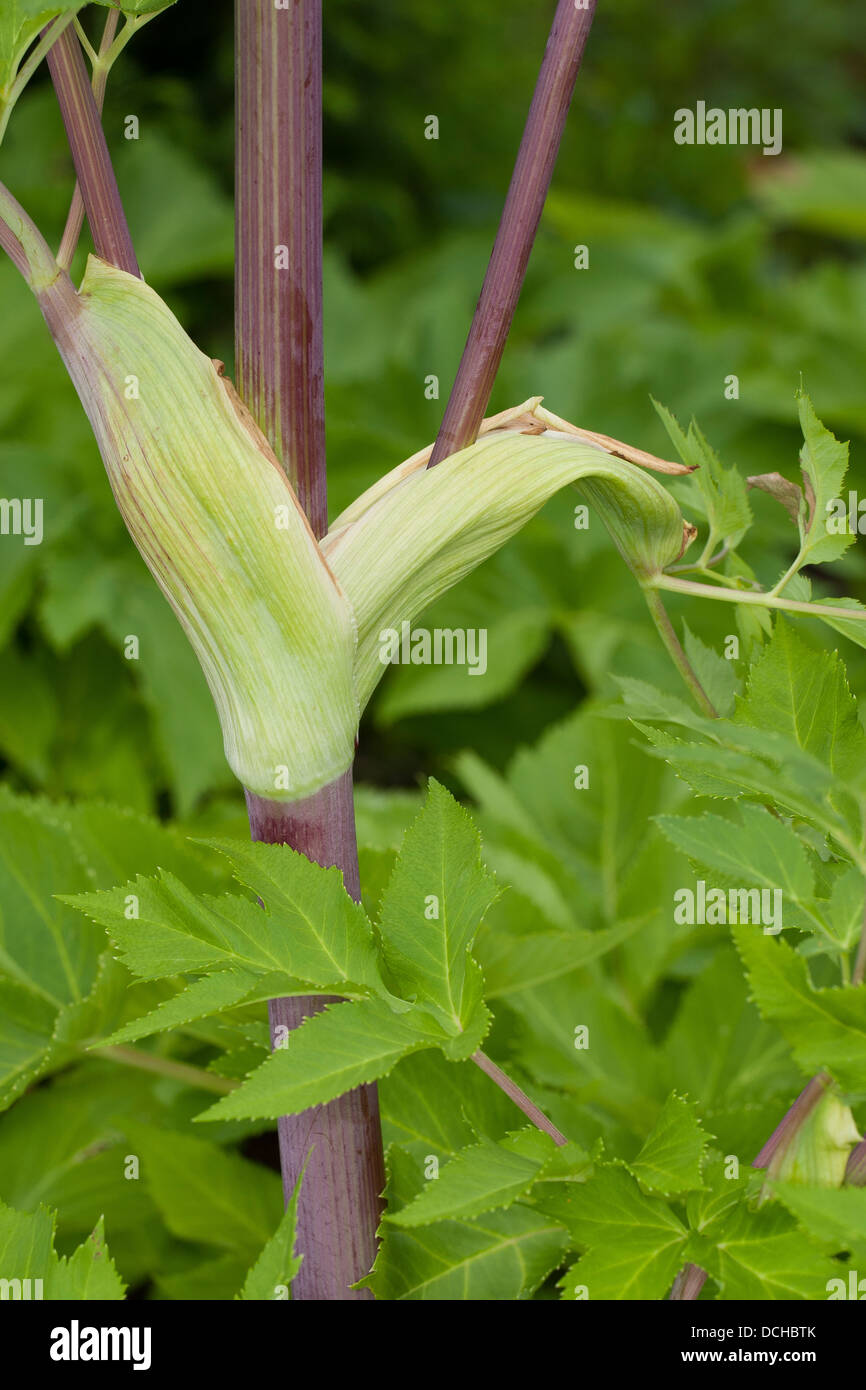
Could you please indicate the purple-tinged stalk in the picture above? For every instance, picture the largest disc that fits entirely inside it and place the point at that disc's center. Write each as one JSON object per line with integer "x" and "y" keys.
{"x": 855, "y": 1171}
{"x": 521, "y": 215}
{"x": 278, "y": 211}
{"x": 340, "y": 1199}
{"x": 75, "y": 218}
{"x": 520, "y": 1098}
{"x": 90, "y": 156}
{"x": 280, "y": 375}
{"x": 791, "y": 1122}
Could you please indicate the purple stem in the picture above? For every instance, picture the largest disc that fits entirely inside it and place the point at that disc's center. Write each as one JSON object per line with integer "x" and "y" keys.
{"x": 278, "y": 204}
{"x": 855, "y": 1171}
{"x": 75, "y": 216}
{"x": 688, "y": 1284}
{"x": 339, "y": 1206}
{"x": 520, "y": 1098}
{"x": 90, "y": 155}
{"x": 517, "y": 229}
{"x": 280, "y": 375}
{"x": 791, "y": 1122}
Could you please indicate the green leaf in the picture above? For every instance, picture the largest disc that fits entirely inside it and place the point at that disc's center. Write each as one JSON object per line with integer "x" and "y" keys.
{"x": 203, "y": 998}
{"x": 501, "y": 1256}
{"x": 307, "y": 928}
{"x": 487, "y": 1176}
{"x": 722, "y": 491}
{"x": 760, "y": 852}
{"x": 670, "y": 1161}
{"x": 758, "y": 1255}
{"x": 431, "y": 1106}
{"x": 27, "y": 1252}
{"x": 208, "y": 1194}
{"x": 432, "y": 908}
{"x": 823, "y": 1027}
{"x": 21, "y": 22}
{"x": 824, "y": 462}
{"x": 835, "y": 1217}
{"x": 719, "y": 1049}
{"x": 634, "y": 1243}
{"x": 716, "y": 674}
{"x": 278, "y": 1264}
{"x": 804, "y": 695}
{"x": 343, "y": 1046}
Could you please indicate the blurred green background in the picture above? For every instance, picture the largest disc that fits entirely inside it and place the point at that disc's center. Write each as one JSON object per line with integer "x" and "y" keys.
{"x": 703, "y": 262}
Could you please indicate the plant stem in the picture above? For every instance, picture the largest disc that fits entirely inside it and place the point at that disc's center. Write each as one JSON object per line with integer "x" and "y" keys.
{"x": 340, "y": 1205}
{"x": 278, "y": 211}
{"x": 280, "y": 372}
{"x": 101, "y": 69}
{"x": 678, "y": 657}
{"x": 791, "y": 1121}
{"x": 859, "y": 972}
{"x": 517, "y": 229}
{"x": 24, "y": 244}
{"x": 688, "y": 1283}
{"x": 761, "y": 600}
{"x": 166, "y": 1066}
{"x": 520, "y": 1098}
{"x": 90, "y": 155}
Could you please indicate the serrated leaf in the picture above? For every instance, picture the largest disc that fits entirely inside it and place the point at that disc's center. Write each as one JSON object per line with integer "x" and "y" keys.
{"x": 431, "y": 1106}
{"x": 27, "y": 1252}
{"x": 634, "y": 1242}
{"x": 824, "y": 462}
{"x": 432, "y": 908}
{"x": 278, "y": 1264}
{"x": 203, "y": 998}
{"x": 722, "y": 491}
{"x": 823, "y": 1027}
{"x": 343, "y": 1046}
{"x": 758, "y": 852}
{"x": 804, "y": 695}
{"x": 761, "y": 1254}
{"x": 497, "y": 1257}
{"x": 719, "y": 1049}
{"x": 487, "y": 1176}
{"x": 307, "y": 928}
{"x": 670, "y": 1160}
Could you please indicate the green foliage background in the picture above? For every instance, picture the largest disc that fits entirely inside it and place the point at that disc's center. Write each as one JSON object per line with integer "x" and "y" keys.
{"x": 703, "y": 262}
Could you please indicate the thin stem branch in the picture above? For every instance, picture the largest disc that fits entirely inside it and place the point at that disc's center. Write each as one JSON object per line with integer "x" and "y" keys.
{"x": 859, "y": 972}
{"x": 517, "y": 230}
{"x": 101, "y": 69}
{"x": 520, "y": 1098}
{"x": 760, "y": 600}
{"x": 24, "y": 244}
{"x": 278, "y": 212}
{"x": 666, "y": 631}
{"x": 90, "y": 155}
{"x": 166, "y": 1066}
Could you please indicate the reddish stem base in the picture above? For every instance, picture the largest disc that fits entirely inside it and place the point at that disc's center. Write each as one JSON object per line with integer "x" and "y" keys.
{"x": 340, "y": 1201}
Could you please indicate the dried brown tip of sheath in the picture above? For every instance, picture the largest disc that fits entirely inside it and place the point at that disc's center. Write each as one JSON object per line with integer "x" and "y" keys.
{"x": 632, "y": 455}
